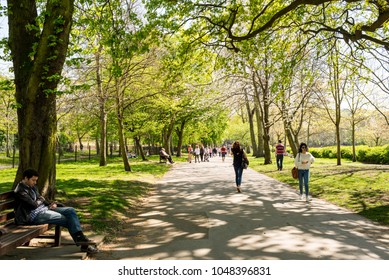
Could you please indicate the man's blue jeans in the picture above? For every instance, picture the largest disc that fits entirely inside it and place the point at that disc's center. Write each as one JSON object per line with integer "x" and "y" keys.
{"x": 238, "y": 175}
{"x": 304, "y": 179}
{"x": 63, "y": 216}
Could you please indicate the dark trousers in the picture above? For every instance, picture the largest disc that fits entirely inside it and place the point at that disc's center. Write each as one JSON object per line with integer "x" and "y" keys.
{"x": 280, "y": 159}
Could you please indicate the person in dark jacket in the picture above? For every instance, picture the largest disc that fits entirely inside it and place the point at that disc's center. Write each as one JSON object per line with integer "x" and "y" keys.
{"x": 33, "y": 209}
{"x": 239, "y": 157}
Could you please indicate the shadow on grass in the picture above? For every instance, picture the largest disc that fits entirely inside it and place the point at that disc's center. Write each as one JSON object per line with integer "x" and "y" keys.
{"x": 102, "y": 204}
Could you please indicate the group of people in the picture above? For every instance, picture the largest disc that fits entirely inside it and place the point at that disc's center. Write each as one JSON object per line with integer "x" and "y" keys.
{"x": 202, "y": 154}
{"x": 302, "y": 161}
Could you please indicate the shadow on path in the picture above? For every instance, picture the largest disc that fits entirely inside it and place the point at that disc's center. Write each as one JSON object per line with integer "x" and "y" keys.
{"x": 196, "y": 213}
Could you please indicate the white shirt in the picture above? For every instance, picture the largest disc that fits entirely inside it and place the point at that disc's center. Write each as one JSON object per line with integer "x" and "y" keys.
{"x": 304, "y": 161}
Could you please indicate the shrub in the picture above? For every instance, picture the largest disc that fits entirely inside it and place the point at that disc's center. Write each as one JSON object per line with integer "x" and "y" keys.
{"x": 375, "y": 155}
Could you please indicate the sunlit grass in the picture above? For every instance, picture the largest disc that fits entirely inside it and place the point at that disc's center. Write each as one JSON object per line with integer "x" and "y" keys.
{"x": 362, "y": 188}
{"x": 103, "y": 196}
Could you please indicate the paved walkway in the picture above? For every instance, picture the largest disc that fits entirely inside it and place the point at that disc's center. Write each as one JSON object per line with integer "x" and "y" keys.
{"x": 195, "y": 213}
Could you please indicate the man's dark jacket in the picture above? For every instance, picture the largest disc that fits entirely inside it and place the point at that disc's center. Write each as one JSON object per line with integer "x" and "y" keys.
{"x": 25, "y": 203}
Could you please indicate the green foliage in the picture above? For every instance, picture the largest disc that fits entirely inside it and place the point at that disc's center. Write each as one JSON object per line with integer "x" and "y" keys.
{"x": 365, "y": 154}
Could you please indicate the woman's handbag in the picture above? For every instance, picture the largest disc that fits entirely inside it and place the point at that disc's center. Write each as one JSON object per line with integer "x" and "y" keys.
{"x": 295, "y": 173}
{"x": 245, "y": 163}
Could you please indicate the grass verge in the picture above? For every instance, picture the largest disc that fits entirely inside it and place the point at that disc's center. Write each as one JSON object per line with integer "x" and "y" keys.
{"x": 103, "y": 197}
{"x": 362, "y": 188}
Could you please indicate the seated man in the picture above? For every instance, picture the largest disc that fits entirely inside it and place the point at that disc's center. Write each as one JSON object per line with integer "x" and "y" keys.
{"x": 165, "y": 155}
{"x": 32, "y": 209}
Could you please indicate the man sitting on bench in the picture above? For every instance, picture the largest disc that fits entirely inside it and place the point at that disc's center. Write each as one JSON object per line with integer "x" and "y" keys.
{"x": 32, "y": 209}
{"x": 164, "y": 155}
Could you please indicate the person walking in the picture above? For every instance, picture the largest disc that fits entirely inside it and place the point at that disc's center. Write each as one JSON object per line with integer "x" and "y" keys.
{"x": 190, "y": 152}
{"x": 239, "y": 157}
{"x": 223, "y": 151}
{"x": 197, "y": 154}
{"x": 280, "y": 151}
{"x": 303, "y": 162}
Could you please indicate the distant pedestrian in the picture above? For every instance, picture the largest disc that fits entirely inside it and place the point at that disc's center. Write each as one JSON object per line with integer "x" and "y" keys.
{"x": 280, "y": 151}
{"x": 303, "y": 163}
{"x": 197, "y": 153}
{"x": 190, "y": 152}
{"x": 202, "y": 152}
{"x": 223, "y": 151}
{"x": 239, "y": 157}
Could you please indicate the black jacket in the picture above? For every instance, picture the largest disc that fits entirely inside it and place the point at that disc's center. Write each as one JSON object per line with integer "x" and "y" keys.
{"x": 26, "y": 199}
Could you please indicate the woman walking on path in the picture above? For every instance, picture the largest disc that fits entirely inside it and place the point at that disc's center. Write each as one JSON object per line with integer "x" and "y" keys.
{"x": 303, "y": 162}
{"x": 239, "y": 157}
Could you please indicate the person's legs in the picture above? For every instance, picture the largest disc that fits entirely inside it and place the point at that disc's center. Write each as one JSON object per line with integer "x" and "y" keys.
{"x": 74, "y": 225}
{"x": 278, "y": 161}
{"x": 301, "y": 176}
{"x": 306, "y": 182}
{"x": 281, "y": 161}
{"x": 238, "y": 176}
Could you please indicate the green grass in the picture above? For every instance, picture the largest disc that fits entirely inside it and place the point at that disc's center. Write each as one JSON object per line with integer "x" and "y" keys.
{"x": 103, "y": 196}
{"x": 362, "y": 188}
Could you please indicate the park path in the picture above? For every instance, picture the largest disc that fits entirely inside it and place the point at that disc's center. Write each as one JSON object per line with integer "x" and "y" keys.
{"x": 195, "y": 213}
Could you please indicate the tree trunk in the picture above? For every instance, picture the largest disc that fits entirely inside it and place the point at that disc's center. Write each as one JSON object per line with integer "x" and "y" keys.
{"x": 180, "y": 135}
{"x": 38, "y": 60}
{"x": 250, "y": 114}
{"x": 353, "y": 140}
{"x": 103, "y": 113}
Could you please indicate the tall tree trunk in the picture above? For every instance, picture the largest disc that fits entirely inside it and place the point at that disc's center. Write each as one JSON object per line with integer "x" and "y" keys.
{"x": 180, "y": 135}
{"x": 353, "y": 139}
{"x": 258, "y": 116}
{"x": 139, "y": 147}
{"x": 120, "y": 118}
{"x": 36, "y": 80}
{"x": 103, "y": 112}
{"x": 250, "y": 113}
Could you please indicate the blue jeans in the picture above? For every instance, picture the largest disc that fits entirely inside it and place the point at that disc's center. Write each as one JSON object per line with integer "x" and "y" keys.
{"x": 304, "y": 178}
{"x": 238, "y": 174}
{"x": 63, "y": 216}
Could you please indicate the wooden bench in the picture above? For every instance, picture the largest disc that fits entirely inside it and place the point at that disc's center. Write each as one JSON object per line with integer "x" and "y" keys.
{"x": 12, "y": 235}
{"x": 162, "y": 159}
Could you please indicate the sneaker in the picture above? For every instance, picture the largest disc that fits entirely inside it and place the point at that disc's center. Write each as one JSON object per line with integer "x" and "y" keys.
{"x": 89, "y": 249}
{"x": 81, "y": 239}
{"x": 302, "y": 197}
{"x": 308, "y": 198}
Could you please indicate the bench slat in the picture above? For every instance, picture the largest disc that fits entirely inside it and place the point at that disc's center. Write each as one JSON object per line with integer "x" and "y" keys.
{"x": 17, "y": 235}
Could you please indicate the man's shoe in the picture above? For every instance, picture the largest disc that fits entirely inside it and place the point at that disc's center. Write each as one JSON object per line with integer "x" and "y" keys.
{"x": 83, "y": 240}
{"x": 89, "y": 249}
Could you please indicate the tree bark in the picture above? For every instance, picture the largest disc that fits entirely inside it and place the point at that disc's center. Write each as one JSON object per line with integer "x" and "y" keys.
{"x": 38, "y": 58}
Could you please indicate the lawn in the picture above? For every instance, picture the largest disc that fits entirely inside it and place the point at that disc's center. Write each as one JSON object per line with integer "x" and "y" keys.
{"x": 103, "y": 196}
{"x": 362, "y": 188}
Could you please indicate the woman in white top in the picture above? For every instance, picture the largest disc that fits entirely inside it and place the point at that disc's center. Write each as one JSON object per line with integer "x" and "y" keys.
{"x": 303, "y": 162}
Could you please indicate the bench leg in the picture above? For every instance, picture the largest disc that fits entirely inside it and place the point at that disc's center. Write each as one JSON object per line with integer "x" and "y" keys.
{"x": 57, "y": 237}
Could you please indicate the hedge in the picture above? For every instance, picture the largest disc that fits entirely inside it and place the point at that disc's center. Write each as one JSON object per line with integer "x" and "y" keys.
{"x": 365, "y": 154}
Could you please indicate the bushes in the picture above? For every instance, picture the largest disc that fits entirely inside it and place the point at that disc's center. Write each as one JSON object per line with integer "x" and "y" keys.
{"x": 365, "y": 154}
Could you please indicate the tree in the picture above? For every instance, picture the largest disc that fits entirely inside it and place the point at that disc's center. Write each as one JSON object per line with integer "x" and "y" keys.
{"x": 228, "y": 23}
{"x": 38, "y": 44}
